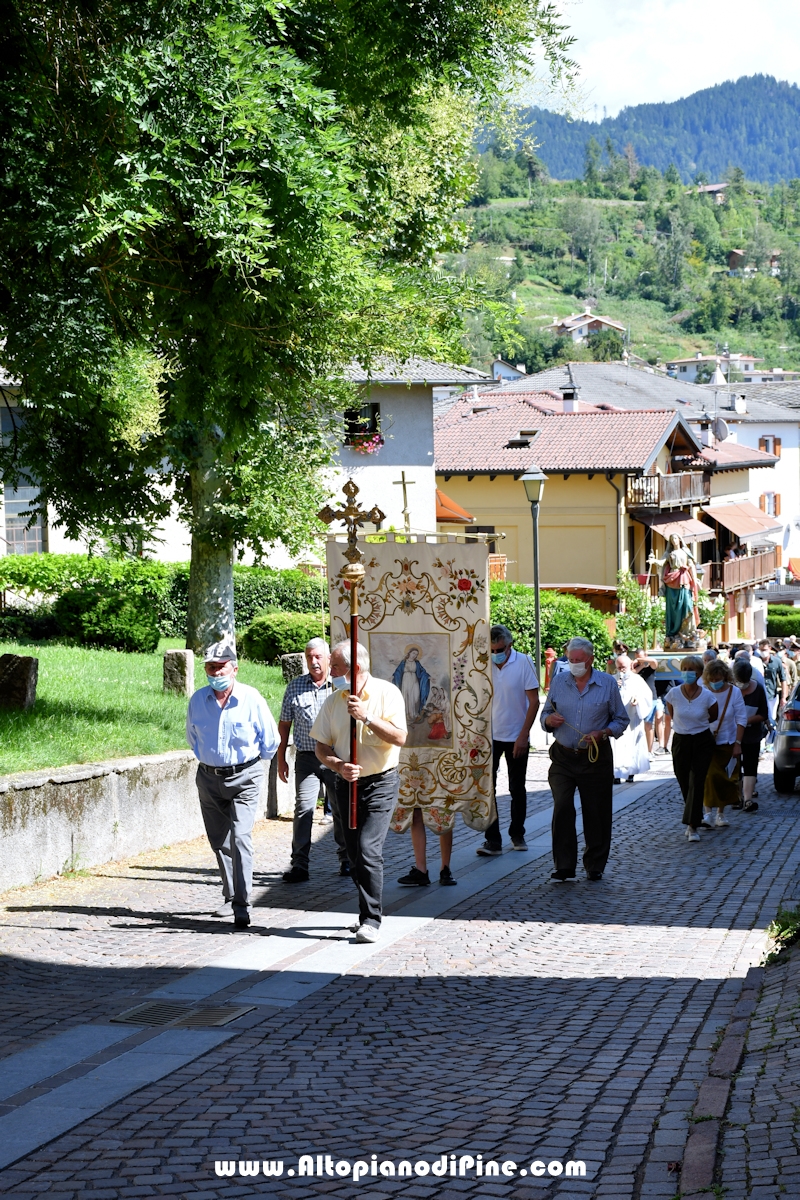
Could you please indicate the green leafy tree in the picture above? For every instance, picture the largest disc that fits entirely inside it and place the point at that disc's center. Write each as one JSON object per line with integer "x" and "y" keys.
{"x": 641, "y": 624}
{"x": 606, "y": 345}
{"x": 209, "y": 209}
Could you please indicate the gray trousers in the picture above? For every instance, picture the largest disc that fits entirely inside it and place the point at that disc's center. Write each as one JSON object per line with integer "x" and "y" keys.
{"x": 377, "y": 797}
{"x": 308, "y": 774}
{"x": 228, "y": 804}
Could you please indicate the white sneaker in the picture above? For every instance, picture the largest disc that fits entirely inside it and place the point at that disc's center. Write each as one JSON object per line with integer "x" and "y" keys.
{"x": 721, "y": 822}
{"x": 708, "y": 820}
{"x": 367, "y": 933}
{"x": 692, "y": 835}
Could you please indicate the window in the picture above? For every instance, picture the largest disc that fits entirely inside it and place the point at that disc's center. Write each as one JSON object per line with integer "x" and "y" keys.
{"x": 683, "y": 370}
{"x": 19, "y": 539}
{"x": 770, "y": 503}
{"x": 486, "y": 529}
{"x": 770, "y": 445}
{"x": 16, "y": 501}
{"x": 360, "y": 421}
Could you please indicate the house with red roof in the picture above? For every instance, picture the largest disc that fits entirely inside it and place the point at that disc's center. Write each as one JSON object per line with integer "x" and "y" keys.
{"x": 619, "y": 482}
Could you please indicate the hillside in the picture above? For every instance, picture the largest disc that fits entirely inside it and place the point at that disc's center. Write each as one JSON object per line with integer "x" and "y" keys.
{"x": 751, "y": 123}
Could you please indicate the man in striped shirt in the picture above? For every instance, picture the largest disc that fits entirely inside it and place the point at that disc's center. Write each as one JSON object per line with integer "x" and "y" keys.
{"x": 302, "y": 700}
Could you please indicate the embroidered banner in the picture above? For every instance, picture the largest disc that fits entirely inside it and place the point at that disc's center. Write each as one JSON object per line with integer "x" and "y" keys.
{"x": 424, "y": 617}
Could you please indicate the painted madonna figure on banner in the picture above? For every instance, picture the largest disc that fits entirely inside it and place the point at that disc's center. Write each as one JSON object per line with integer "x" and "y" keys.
{"x": 679, "y": 587}
{"x": 425, "y": 621}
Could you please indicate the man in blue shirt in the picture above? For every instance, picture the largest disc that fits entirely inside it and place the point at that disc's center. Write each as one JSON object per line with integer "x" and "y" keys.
{"x": 302, "y": 700}
{"x": 230, "y": 730}
{"x": 583, "y": 710}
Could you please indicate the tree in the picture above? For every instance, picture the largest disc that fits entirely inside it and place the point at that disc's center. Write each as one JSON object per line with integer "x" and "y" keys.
{"x": 209, "y": 209}
{"x": 591, "y": 170}
{"x": 606, "y": 345}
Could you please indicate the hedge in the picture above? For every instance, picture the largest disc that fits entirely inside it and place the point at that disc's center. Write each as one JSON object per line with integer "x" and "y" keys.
{"x": 101, "y": 615}
{"x": 563, "y": 617}
{"x": 274, "y": 634}
{"x": 783, "y": 624}
{"x": 46, "y": 577}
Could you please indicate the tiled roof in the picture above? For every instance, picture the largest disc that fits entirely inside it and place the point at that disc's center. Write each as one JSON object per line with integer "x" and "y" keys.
{"x": 730, "y": 456}
{"x": 615, "y": 385}
{"x": 508, "y": 435}
{"x": 415, "y": 370}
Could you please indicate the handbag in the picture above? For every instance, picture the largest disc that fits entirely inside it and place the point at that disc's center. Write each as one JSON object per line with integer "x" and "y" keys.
{"x": 732, "y": 775}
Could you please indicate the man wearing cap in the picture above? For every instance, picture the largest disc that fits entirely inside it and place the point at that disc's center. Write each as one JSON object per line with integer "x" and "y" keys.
{"x": 230, "y": 730}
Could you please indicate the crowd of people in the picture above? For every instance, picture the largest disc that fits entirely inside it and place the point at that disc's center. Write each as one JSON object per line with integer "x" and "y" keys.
{"x": 606, "y": 727}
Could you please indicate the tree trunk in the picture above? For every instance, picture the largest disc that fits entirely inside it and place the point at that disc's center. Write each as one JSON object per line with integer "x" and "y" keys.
{"x": 210, "y": 603}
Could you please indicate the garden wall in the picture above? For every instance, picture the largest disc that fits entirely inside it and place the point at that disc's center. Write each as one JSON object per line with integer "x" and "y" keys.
{"x": 72, "y": 817}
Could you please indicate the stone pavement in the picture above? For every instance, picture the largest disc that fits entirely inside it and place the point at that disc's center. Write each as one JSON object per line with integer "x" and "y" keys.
{"x": 507, "y": 1017}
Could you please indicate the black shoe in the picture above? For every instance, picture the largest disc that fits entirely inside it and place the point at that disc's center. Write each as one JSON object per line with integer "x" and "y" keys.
{"x": 594, "y": 876}
{"x": 446, "y": 878}
{"x": 344, "y": 867}
{"x": 488, "y": 850}
{"x": 750, "y": 806}
{"x": 415, "y": 878}
{"x": 564, "y": 877}
{"x": 295, "y": 875}
{"x": 241, "y": 921}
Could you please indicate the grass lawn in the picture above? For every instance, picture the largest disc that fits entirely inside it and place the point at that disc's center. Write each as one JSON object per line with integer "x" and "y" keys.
{"x": 97, "y": 704}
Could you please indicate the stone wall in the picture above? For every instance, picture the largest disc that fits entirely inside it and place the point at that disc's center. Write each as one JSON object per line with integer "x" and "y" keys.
{"x": 72, "y": 817}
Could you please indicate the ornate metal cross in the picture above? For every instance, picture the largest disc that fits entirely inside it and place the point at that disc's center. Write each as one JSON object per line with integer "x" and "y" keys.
{"x": 353, "y": 575}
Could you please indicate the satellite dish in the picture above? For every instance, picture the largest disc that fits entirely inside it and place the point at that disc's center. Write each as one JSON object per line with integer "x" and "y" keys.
{"x": 720, "y": 429}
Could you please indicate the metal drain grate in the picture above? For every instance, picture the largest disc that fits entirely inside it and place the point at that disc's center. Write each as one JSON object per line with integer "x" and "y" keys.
{"x": 185, "y": 1016}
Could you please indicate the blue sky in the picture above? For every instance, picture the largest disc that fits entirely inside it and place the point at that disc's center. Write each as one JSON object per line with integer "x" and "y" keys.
{"x": 635, "y": 51}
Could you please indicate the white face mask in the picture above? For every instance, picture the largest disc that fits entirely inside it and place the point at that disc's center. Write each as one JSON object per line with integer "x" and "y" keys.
{"x": 340, "y": 682}
{"x": 577, "y": 669}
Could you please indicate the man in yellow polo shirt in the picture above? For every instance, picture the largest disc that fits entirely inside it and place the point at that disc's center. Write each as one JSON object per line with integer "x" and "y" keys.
{"x": 380, "y": 713}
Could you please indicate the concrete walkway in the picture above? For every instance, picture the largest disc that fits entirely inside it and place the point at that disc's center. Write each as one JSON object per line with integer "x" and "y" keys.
{"x": 505, "y": 1019}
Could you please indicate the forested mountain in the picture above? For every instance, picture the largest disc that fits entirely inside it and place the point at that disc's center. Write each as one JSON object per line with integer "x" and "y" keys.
{"x": 752, "y": 123}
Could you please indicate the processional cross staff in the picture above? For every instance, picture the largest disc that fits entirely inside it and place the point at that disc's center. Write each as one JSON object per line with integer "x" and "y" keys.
{"x": 353, "y": 575}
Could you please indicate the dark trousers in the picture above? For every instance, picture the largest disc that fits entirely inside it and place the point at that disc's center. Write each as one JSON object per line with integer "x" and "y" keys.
{"x": 595, "y": 784}
{"x": 377, "y": 799}
{"x": 691, "y": 758}
{"x": 308, "y": 774}
{"x": 228, "y": 804}
{"x": 517, "y": 770}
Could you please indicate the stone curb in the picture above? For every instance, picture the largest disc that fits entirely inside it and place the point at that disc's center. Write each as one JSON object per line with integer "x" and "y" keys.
{"x": 700, "y": 1153}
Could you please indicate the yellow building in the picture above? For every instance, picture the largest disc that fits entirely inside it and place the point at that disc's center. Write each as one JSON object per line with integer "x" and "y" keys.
{"x": 618, "y": 483}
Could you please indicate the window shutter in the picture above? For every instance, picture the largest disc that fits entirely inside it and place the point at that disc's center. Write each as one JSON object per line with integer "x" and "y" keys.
{"x": 777, "y": 505}
{"x": 762, "y": 502}
{"x": 762, "y": 445}
{"x": 777, "y": 444}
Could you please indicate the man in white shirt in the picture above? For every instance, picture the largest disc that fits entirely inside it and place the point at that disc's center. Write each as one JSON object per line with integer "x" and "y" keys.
{"x": 514, "y": 708}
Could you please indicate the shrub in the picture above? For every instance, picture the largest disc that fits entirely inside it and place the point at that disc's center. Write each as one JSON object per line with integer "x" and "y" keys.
{"x": 110, "y": 618}
{"x": 563, "y": 617}
{"x": 28, "y": 624}
{"x": 783, "y": 624}
{"x": 273, "y": 634}
{"x": 255, "y": 589}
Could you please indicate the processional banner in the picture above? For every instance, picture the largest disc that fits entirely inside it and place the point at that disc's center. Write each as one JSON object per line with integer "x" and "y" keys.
{"x": 424, "y": 618}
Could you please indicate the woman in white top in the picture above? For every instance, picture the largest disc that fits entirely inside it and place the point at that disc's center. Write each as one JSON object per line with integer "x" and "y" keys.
{"x": 722, "y": 787}
{"x": 692, "y": 708}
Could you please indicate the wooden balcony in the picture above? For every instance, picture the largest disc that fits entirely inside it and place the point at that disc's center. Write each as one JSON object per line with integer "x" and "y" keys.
{"x": 668, "y": 491}
{"x": 742, "y": 572}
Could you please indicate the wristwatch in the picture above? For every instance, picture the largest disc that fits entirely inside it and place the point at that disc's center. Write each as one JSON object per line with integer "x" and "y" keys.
{"x": 367, "y": 722}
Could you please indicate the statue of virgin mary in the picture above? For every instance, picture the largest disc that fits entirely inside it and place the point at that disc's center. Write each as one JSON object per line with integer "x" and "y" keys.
{"x": 679, "y": 587}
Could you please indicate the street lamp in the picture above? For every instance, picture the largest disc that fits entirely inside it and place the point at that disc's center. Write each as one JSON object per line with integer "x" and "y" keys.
{"x": 534, "y": 481}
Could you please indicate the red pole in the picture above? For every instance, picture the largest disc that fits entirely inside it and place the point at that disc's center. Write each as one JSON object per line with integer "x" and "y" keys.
{"x": 353, "y": 692}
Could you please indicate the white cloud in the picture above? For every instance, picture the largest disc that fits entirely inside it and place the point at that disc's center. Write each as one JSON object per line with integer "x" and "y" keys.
{"x": 634, "y": 52}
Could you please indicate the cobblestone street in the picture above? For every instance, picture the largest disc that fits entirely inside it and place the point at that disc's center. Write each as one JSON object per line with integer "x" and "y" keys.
{"x": 507, "y": 1017}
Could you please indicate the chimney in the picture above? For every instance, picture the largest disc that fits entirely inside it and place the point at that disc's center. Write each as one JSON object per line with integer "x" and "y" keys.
{"x": 570, "y": 398}
{"x": 705, "y": 430}
{"x": 739, "y": 404}
{"x": 523, "y": 368}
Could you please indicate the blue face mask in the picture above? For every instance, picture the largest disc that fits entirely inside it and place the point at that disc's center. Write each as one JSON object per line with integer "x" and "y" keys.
{"x": 717, "y": 685}
{"x": 688, "y": 677}
{"x": 340, "y": 682}
{"x": 220, "y": 683}
{"x": 500, "y": 658}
